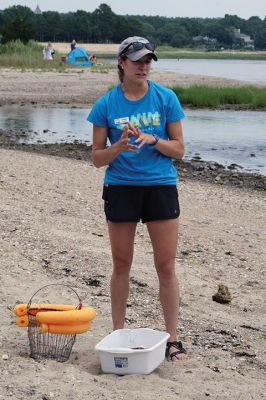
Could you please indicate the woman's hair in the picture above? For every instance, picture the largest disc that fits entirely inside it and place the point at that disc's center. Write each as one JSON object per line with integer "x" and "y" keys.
{"x": 120, "y": 70}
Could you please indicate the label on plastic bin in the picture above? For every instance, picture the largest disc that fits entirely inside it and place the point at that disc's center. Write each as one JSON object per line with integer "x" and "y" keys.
{"x": 121, "y": 362}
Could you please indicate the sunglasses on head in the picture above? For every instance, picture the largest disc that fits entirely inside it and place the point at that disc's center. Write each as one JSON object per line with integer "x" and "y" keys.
{"x": 138, "y": 46}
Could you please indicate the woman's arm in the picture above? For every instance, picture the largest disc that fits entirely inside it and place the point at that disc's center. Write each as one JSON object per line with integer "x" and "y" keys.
{"x": 173, "y": 148}
{"x": 102, "y": 155}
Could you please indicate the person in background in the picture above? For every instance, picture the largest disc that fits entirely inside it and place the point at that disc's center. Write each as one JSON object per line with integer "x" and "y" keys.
{"x": 92, "y": 58}
{"x": 142, "y": 121}
{"x": 48, "y": 52}
{"x": 73, "y": 45}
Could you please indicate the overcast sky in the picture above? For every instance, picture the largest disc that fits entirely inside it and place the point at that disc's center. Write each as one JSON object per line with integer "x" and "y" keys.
{"x": 169, "y": 8}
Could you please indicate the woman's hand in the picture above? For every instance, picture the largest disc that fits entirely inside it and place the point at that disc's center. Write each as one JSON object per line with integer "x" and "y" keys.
{"x": 102, "y": 155}
{"x": 174, "y": 147}
{"x": 123, "y": 144}
{"x": 141, "y": 138}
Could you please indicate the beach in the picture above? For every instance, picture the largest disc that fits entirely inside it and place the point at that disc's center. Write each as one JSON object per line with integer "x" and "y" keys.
{"x": 53, "y": 231}
{"x": 80, "y": 87}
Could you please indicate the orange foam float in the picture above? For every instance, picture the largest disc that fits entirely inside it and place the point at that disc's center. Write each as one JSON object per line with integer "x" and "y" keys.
{"x": 55, "y": 318}
{"x": 65, "y": 329}
{"x": 24, "y": 309}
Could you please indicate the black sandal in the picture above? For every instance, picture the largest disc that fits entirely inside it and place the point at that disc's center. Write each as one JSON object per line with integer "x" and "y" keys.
{"x": 178, "y": 346}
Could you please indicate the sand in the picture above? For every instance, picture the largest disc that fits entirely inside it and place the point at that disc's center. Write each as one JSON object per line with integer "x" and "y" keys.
{"x": 53, "y": 231}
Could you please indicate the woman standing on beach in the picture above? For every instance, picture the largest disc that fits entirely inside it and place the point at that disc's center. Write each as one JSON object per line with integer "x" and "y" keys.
{"x": 141, "y": 119}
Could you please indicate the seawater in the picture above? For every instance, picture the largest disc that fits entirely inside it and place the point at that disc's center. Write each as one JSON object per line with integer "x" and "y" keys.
{"x": 251, "y": 71}
{"x": 222, "y": 136}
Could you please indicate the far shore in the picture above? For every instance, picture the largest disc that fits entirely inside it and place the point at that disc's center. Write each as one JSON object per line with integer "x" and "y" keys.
{"x": 112, "y": 48}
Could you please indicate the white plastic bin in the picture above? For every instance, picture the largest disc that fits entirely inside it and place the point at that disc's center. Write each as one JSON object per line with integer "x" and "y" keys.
{"x": 132, "y": 351}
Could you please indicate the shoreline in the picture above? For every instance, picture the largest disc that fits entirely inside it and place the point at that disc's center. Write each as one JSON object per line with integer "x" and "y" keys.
{"x": 194, "y": 169}
{"x": 82, "y": 87}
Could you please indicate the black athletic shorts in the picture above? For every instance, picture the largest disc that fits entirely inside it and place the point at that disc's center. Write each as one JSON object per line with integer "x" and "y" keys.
{"x": 145, "y": 203}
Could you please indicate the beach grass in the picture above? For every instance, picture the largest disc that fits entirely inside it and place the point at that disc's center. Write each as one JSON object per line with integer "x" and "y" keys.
{"x": 20, "y": 56}
{"x": 201, "y": 96}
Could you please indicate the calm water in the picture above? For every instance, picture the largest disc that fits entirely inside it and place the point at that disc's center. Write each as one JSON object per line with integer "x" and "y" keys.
{"x": 223, "y": 136}
{"x": 248, "y": 70}
{"x": 227, "y": 137}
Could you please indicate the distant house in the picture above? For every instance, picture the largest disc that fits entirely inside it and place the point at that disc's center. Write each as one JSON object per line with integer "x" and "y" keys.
{"x": 243, "y": 37}
{"x": 204, "y": 39}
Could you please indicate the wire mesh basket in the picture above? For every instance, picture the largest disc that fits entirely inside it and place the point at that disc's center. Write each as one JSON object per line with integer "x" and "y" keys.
{"x": 49, "y": 345}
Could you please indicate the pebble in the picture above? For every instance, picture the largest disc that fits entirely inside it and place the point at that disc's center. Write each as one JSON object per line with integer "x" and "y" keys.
{"x": 5, "y": 357}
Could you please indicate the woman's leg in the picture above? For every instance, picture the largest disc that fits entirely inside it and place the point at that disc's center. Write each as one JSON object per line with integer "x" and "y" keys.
{"x": 164, "y": 238}
{"x": 122, "y": 245}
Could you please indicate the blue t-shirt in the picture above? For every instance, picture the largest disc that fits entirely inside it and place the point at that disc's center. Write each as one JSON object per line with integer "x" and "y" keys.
{"x": 150, "y": 114}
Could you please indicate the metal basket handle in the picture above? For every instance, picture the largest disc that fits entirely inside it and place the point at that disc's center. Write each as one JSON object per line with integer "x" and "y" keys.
{"x": 54, "y": 284}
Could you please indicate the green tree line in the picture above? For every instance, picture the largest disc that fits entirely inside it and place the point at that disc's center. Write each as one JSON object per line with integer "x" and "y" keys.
{"x": 104, "y": 26}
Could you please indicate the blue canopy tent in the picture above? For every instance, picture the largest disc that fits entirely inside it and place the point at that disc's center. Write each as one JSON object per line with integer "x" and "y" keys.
{"x": 79, "y": 56}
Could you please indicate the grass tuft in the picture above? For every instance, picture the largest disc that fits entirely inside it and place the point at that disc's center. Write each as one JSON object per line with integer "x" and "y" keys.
{"x": 201, "y": 96}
